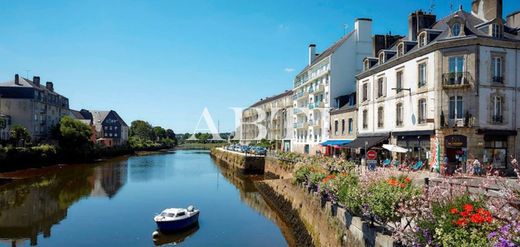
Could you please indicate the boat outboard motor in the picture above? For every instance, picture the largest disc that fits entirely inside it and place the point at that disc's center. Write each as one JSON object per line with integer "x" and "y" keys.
{"x": 190, "y": 208}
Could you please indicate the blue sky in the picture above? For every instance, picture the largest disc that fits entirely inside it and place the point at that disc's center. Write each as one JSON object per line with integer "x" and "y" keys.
{"x": 165, "y": 60}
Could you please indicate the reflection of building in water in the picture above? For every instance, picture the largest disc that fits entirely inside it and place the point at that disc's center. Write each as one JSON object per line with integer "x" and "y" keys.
{"x": 30, "y": 207}
{"x": 108, "y": 179}
{"x": 250, "y": 195}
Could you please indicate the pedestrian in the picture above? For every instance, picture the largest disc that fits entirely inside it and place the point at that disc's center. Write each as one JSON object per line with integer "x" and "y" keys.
{"x": 477, "y": 169}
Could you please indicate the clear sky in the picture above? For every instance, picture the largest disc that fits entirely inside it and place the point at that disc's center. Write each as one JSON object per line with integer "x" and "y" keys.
{"x": 165, "y": 60}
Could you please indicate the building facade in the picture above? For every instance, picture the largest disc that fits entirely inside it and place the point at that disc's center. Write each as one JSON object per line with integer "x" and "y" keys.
{"x": 32, "y": 105}
{"x": 110, "y": 128}
{"x": 327, "y": 76}
{"x": 343, "y": 126}
{"x": 273, "y": 114}
{"x": 452, "y": 83}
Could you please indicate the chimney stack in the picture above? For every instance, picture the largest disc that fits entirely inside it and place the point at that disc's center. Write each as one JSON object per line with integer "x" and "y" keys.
{"x": 16, "y": 79}
{"x": 513, "y": 20}
{"x": 312, "y": 53}
{"x": 383, "y": 41}
{"x": 50, "y": 86}
{"x": 487, "y": 9}
{"x": 36, "y": 81}
{"x": 419, "y": 20}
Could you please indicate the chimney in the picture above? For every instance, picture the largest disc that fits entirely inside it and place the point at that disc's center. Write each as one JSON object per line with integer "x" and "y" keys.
{"x": 385, "y": 41}
{"x": 50, "y": 86}
{"x": 487, "y": 9}
{"x": 36, "y": 81}
{"x": 312, "y": 53}
{"x": 513, "y": 20}
{"x": 419, "y": 20}
{"x": 363, "y": 27}
{"x": 16, "y": 79}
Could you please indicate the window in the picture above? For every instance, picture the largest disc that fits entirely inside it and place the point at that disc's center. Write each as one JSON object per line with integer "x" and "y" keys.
{"x": 365, "y": 91}
{"x": 496, "y": 31}
{"x": 350, "y": 125}
{"x": 399, "y": 81}
{"x": 456, "y": 67}
{"x": 455, "y": 29}
{"x": 496, "y": 69}
{"x": 497, "y": 116}
{"x": 365, "y": 119}
{"x": 336, "y": 127}
{"x": 380, "y": 87}
{"x": 400, "y": 50}
{"x": 422, "y": 111}
{"x": 380, "y": 117}
{"x": 399, "y": 115}
{"x": 422, "y": 39}
{"x": 422, "y": 74}
{"x": 342, "y": 126}
{"x": 456, "y": 107}
{"x": 381, "y": 58}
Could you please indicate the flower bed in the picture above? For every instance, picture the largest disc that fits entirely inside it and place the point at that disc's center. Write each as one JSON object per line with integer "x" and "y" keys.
{"x": 416, "y": 216}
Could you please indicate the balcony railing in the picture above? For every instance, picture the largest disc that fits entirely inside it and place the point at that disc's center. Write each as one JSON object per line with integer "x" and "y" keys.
{"x": 456, "y": 80}
{"x": 497, "y": 119}
{"x": 498, "y": 79}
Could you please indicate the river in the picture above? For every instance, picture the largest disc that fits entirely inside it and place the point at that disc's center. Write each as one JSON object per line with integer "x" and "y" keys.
{"x": 112, "y": 203}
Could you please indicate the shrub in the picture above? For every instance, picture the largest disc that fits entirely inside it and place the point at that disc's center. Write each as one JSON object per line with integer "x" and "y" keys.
{"x": 350, "y": 194}
{"x": 384, "y": 197}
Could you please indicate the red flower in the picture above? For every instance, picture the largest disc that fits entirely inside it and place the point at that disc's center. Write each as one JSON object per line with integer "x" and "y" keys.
{"x": 462, "y": 222}
{"x": 476, "y": 218}
{"x": 464, "y": 214}
{"x": 454, "y": 211}
{"x": 392, "y": 181}
{"x": 402, "y": 185}
{"x": 407, "y": 180}
{"x": 468, "y": 208}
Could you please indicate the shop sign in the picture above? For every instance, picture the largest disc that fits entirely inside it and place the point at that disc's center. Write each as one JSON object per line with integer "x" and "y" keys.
{"x": 455, "y": 141}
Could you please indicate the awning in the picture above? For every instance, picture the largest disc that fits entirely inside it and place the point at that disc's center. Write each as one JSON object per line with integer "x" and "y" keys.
{"x": 368, "y": 141}
{"x": 335, "y": 142}
{"x": 394, "y": 148}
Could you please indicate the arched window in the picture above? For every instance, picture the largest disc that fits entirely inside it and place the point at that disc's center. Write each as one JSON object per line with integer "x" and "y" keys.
{"x": 455, "y": 29}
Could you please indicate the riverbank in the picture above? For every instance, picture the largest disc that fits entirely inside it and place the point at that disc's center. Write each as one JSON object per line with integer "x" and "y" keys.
{"x": 18, "y": 159}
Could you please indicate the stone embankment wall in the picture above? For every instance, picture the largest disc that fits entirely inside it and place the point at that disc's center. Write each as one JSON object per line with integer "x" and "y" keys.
{"x": 249, "y": 164}
{"x": 278, "y": 168}
{"x": 328, "y": 225}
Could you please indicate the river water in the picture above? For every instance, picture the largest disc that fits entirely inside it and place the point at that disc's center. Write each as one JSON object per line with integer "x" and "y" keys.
{"x": 113, "y": 203}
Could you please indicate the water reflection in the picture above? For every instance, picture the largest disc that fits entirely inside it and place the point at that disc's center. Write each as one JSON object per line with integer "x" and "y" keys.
{"x": 160, "y": 238}
{"x": 250, "y": 195}
{"x": 33, "y": 206}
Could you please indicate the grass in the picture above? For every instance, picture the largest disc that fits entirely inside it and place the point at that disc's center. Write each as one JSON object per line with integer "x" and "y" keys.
{"x": 200, "y": 145}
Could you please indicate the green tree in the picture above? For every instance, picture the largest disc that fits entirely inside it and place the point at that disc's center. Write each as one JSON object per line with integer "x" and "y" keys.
{"x": 73, "y": 133}
{"x": 170, "y": 134}
{"x": 142, "y": 130}
{"x": 160, "y": 133}
{"x": 19, "y": 134}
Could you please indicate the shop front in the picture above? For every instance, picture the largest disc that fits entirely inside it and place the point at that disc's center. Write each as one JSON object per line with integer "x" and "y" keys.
{"x": 335, "y": 148}
{"x": 496, "y": 148}
{"x": 456, "y": 151}
{"x": 416, "y": 142}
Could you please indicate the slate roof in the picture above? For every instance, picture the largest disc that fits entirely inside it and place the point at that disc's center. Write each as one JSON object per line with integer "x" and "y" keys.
{"x": 472, "y": 23}
{"x": 98, "y": 117}
{"x": 26, "y": 83}
{"x": 269, "y": 99}
{"x": 329, "y": 51}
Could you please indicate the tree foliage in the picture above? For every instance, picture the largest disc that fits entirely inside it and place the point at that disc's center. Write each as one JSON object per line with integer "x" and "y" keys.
{"x": 19, "y": 134}
{"x": 73, "y": 133}
{"x": 142, "y": 130}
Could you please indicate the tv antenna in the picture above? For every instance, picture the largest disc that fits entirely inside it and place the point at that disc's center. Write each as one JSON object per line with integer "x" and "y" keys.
{"x": 345, "y": 27}
{"x": 27, "y": 73}
{"x": 432, "y": 6}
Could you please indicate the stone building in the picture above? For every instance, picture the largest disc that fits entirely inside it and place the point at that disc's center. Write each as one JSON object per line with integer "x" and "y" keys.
{"x": 110, "y": 128}
{"x": 276, "y": 121}
{"x": 32, "y": 105}
{"x": 343, "y": 127}
{"x": 327, "y": 76}
{"x": 454, "y": 81}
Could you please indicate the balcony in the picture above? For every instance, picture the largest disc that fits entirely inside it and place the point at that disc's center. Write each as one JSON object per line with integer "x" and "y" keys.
{"x": 498, "y": 79}
{"x": 497, "y": 119}
{"x": 456, "y": 80}
{"x": 456, "y": 122}
{"x": 301, "y": 125}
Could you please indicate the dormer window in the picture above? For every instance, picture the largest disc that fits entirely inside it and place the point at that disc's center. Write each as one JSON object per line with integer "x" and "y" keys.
{"x": 400, "y": 50}
{"x": 367, "y": 65}
{"x": 496, "y": 31}
{"x": 455, "y": 29}
{"x": 422, "y": 39}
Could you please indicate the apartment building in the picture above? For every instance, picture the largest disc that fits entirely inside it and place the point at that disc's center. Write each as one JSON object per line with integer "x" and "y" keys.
{"x": 110, "y": 128}
{"x": 5, "y": 127}
{"x": 32, "y": 105}
{"x": 327, "y": 76}
{"x": 453, "y": 81}
{"x": 343, "y": 126}
{"x": 272, "y": 113}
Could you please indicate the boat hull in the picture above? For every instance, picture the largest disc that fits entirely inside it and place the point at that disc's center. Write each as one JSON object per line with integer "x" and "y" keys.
{"x": 175, "y": 225}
